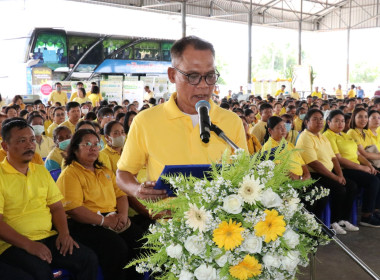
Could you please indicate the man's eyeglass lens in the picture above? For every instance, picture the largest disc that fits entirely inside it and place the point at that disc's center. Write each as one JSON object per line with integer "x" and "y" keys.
{"x": 195, "y": 79}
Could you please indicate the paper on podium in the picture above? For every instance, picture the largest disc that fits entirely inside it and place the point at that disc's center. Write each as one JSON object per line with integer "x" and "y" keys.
{"x": 187, "y": 170}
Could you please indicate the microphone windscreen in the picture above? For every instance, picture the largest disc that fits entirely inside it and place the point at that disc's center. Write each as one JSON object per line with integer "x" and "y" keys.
{"x": 202, "y": 103}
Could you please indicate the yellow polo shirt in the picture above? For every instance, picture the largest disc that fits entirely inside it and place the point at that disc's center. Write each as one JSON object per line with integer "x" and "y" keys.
{"x": 36, "y": 157}
{"x": 113, "y": 156}
{"x": 339, "y": 94}
{"x": 296, "y": 161}
{"x": 315, "y": 147}
{"x": 47, "y": 123}
{"x": 359, "y": 137}
{"x": 295, "y": 95}
{"x": 47, "y": 144}
{"x": 97, "y": 191}
{"x": 351, "y": 93}
{"x": 292, "y": 136}
{"x": 58, "y": 97}
{"x": 343, "y": 144}
{"x": 81, "y": 100}
{"x": 259, "y": 130}
{"x": 297, "y": 124}
{"x": 95, "y": 98}
{"x": 319, "y": 94}
{"x": 253, "y": 144}
{"x": 375, "y": 139}
{"x": 164, "y": 135}
{"x": 70, "y": 125}
{"x": 24, "y": 201}
{"x": 49, "y": 131}
{"x": 280, "y": 91}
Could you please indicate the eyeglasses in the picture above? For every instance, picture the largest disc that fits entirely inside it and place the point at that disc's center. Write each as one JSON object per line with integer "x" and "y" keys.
{"x": 89, "y": 145}
{"x": 195, "y": 78}
{"x": 109, "y": 117}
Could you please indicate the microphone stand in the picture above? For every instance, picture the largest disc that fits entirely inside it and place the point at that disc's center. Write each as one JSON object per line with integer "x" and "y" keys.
{"x": 330, "y": 233}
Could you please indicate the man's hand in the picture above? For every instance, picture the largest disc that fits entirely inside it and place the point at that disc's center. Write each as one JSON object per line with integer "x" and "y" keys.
{"x": 111, "y": 221}
{"x": 146, "y": 191}
{"x": 65, "y": 243}
{"x": 341, "y": 180}
{"x": 40, "y": 250}
{"x": 123, "y": 221}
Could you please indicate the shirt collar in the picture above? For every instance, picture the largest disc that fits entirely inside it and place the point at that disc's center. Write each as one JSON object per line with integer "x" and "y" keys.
{"x": 8, "y": 168}
{"x": 111, "y": 149}
{"x": 80, "y": 166}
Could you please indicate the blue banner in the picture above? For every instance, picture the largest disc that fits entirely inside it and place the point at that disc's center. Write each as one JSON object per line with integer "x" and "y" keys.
{"x": 133, "y": 66}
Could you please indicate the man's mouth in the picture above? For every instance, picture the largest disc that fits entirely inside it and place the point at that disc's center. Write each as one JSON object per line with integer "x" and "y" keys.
{"x": 29, "y": 153}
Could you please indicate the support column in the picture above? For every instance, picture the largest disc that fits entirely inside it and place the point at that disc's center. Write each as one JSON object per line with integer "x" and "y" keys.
{"x": 348, "y": 47}
{"x": 183, "y": 11}
{"x": 299, "y": 37}
{"x": 249, "y": 79}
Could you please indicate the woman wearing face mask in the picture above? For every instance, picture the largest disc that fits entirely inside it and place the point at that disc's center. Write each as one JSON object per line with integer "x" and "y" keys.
{"x": 44, "y": 144}
{"x": 298, "y": 120}
{"x": 291, "y": 133}
{"x": 355, "y": 167}
{"x": 58, "y": 118}
{"x": 84, "y": 108}
{"x": 61, "y": 137}
{"x": 115, "y": 138}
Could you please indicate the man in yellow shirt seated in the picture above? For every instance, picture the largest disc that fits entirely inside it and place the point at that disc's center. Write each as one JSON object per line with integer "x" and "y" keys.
{"x": 259, "y": 130}
{"x": 317, "y": 93}
{"x": 281, "y": 91}
{"x": 58, "y": 95}
{"x": 74, "y": 114}
{"x": 30, "y": 204}
{"x": 295, "y": 94}
{"x": 351, "y": 93}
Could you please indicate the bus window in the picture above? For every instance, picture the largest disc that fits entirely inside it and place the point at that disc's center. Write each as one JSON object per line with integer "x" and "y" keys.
{"x": 147, "y": 51}
{"x": 165, "y": 48}
{"x": 78, "y": 45}
{"x": 50, "y": 48}
{"x": 112, "y": 45}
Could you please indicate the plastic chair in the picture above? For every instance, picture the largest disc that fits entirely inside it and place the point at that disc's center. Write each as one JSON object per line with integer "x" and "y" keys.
{"x": 66, "y": 275}
{"x": 55, "y": 174}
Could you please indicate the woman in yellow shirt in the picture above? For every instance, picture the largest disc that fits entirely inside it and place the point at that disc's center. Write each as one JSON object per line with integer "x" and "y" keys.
{"x": 58, "y": 118}
{"x": 115, "y": 138}
{"x": 95, "y": 96}
{"x": 291, "y": 133}
{"x": 252, "y": 142}
{"x": 324, "y": 167}
{"x": 82, "y": 97}
{"x": 373, "y": 125}
{"x": 356, "y": 168}
{"x": 358, "y": 132}
{"x": 98, "y": 208}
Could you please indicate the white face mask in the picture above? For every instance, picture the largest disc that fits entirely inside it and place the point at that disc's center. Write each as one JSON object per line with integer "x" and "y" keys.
{"x": 118, "y": 141}
{"x": 84, "y": 111}
{"x": 38, "y": 129}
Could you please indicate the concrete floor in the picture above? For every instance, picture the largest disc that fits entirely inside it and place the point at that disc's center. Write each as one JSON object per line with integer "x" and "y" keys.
{"x": 333, "y": 263}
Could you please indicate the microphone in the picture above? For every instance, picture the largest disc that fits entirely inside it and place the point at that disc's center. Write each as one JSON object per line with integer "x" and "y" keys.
{"x": 203, "y": 108}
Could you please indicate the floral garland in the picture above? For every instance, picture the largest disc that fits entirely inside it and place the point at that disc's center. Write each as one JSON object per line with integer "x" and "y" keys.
{"x": 245, "y": 221}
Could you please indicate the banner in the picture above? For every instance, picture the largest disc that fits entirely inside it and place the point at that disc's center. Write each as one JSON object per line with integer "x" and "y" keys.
{"x": 301, "y": 78}
{"x": 160, "y": 86}
{"x": 112, "y": 91}
{"x": 133, "y": 91}
{"x": 42, "y": 81}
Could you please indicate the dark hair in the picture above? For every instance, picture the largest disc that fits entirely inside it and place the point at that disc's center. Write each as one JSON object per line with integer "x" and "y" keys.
{"x": 247, "y": 112}
{"x": 104, "y": 111}
{"x": 38, "y": 101}
{"x": 152, "y": 101}
{"x": 56, "y": 109}
{"x": 372, "y": 112}
{"x": 80, "y": 124}
{"x": 117, "y": 107}
{"x": 79, "y": 83}
{"x": 126, "y": 100}
{"x": 265, "y": 106}
{"x": 90, "y": 116}
{"x": 299, "y": 110}
{"x": 308, "y": 116}
{"x": 58, "y": 103}
{"x": 287, "y": 116}
{"x": 332, "y": 115}
{"x": 95, "y": 90}
{"x": 74, "y": 146}
{"x": 32, "y": 117}
{"x": 57, "y": 130}
{"x": 225, "y": 105}
{"x": 126, "y": 120}
{"x": 72, "y": 105}
{"x": 108, "y": 127}
{"x": 376, "y": 101}
{"x": 197, "y": 43}
{"x": 83, "y": 92}
{"x": 9, "y": 108}
{"x": 238, "y": 110}
{"x": 119, "y": 116}
{"x": 129, "y": 107}
{"x": 23, "y": 113}
{"x": 17, "y": 97}
{"x": 9, "y": 124}
{"x": 57, "y": 83}
{"x": 354, "y": 113}
{"x": 271, "y": 123}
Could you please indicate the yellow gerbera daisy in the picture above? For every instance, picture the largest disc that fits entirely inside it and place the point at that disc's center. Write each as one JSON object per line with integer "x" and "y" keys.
{"x": 248, "y": 268}
{"x": 228, "y": 235}
{"x": 272, "y": 227}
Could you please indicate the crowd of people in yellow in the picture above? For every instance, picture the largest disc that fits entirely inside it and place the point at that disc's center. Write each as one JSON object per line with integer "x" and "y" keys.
{"x": 103, "y": 157}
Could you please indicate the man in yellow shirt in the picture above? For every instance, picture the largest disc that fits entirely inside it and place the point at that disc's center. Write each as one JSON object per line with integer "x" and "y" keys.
{"x": 58, "y": 95}
{"x": 149, "y": 94}
{"x": 168, "y": 134}
{"x": 74, "y": 113}
{"x": 295, "y": 94}
{"x": 317, "y": 93}
{"x": 339, "y": 92}
{"x": 259, "y": 130}
{"x": 351, "y": 93}
{"x": 280, "y": 91}
{"x": 30, "y": 203}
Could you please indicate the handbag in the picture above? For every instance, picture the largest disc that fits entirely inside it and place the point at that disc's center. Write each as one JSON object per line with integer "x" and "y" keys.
{"x": 373, "y": 149}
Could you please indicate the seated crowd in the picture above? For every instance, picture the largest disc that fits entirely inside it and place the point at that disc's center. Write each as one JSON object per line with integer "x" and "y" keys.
{"x": 84, "y": 221}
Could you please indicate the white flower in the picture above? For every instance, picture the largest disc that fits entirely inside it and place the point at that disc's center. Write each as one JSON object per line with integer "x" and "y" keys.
{"x": 252, "y": 244}
{"x": 197, "y": 218}
{"x": 270, "y": 199}
{"x": 250, "y": 189}
{"x": 232, "y": 204}
{"x": 186, "y": 275}
{"x": 222, "y": 260}
{"x": 290, "y": 261}
{"x": 271, "y": 261}
{"x": 194, "y": 245}
{"x": 205, "y": 272}
{"x": 293, "y": 204}
{"x": 292, "y": 239}
{"x": 174, "y": 251}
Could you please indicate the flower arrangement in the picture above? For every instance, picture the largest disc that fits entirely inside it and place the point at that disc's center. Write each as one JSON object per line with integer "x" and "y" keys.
{"x": 245, "y": 221}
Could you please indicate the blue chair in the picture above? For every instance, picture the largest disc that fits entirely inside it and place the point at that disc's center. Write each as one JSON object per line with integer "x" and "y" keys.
{"x": 326, "y": 215}
{"x": 55, "y": 174}
{"x": 66, "y": 275}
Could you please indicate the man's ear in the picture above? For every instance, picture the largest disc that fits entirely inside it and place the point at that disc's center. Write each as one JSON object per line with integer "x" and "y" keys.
{"x": 171, "y": 74}
{"x": 4, "y": 145}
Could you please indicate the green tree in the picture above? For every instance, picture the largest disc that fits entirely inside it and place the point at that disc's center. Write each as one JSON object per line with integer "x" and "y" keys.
{"x": 364, "y": 73}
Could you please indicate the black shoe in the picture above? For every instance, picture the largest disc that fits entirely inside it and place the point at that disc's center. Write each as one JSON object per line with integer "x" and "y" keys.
{"x": 376, "y": 214}
{"x": 370, "y": 221}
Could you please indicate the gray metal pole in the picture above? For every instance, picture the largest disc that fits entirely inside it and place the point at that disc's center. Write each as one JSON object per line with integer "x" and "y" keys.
{"x": 183, "y": 10}
{"x": 249, "y": 79}
{"x": 299, "y": 37}
{"x": 348, "y": 47}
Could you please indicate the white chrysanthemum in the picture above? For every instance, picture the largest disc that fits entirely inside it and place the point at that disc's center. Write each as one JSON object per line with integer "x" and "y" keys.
{"x": 197, "y": 218}
{"x": 250, "y": 189}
